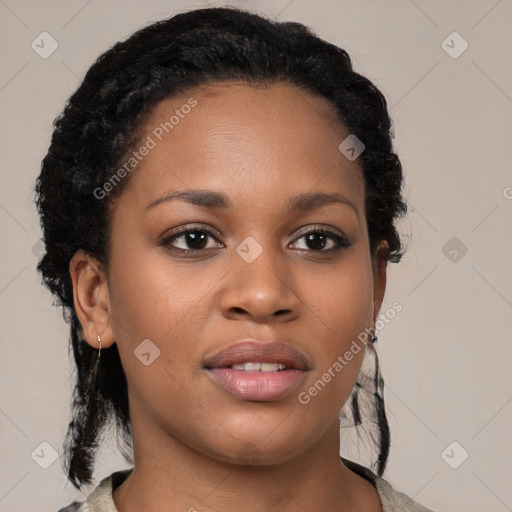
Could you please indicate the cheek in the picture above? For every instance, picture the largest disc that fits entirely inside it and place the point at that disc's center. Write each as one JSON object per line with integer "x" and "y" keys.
{"x": 341, "y": 307}
{"x": 148, "y": 297}
{"x": 168, "y": 304}
{"x": 341, "y": 303}
{"x": 157, "y": 313}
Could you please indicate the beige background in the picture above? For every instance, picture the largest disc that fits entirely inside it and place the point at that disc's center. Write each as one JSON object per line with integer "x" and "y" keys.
{"x": 446, "y": 357}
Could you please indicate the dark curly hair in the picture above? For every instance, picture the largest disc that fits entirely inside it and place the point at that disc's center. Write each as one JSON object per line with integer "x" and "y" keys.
{"x": 99, "y": 126}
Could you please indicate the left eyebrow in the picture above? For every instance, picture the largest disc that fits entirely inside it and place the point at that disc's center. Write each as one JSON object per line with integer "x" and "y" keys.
{"x": 211, "y": 199}
{"x": 313, "y": 200}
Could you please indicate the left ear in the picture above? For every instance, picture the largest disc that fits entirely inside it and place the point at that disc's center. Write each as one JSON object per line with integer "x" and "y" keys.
{"x": 379, "y": 266}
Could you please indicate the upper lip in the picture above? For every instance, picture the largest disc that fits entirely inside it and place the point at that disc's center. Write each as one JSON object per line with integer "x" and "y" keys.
{"x": 256, "y": 351}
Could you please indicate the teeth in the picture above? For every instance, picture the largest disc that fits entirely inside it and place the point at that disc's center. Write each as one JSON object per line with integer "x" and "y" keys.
{"x": 258, "y": 367}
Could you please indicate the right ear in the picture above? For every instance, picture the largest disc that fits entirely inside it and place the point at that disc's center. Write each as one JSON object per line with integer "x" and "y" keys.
{"x": 91, "y": 298}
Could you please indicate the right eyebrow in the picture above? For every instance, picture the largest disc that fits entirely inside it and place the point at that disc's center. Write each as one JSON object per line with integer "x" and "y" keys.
{"x": 206, "y": 198}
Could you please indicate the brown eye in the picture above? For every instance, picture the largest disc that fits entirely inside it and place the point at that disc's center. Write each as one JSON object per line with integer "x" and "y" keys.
{"x": 318, "y": 239}
{"x": 190, "y": 240}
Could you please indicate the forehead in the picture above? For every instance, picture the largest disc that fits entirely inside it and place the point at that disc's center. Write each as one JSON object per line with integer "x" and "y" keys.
{"x": 231, "y": 136}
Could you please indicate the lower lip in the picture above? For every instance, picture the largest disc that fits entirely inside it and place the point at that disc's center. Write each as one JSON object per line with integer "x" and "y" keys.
{"x": 257, "y": 386}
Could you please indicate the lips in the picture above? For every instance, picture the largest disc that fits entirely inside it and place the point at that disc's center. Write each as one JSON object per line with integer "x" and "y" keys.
{"x": 253, "y": 351}
{"x": 258, "y": 372}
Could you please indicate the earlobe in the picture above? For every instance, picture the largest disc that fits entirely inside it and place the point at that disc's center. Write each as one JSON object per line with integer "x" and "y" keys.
{"x": 91, "y": 298}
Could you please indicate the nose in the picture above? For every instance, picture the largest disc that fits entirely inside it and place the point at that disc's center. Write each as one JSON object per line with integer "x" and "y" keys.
{"x": 262, "y": 291}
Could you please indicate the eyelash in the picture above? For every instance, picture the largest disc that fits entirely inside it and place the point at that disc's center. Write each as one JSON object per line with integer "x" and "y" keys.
{"x": 340, "y": 241}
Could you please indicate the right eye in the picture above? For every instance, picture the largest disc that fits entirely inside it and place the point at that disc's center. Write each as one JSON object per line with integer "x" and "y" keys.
{"x": 193, "y": 239}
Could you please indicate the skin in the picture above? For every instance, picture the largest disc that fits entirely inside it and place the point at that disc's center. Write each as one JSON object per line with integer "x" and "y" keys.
{"x": 259, "y": 146}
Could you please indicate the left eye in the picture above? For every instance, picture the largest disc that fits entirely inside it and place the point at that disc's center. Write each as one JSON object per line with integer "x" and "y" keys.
{"x": 320, "y": 237}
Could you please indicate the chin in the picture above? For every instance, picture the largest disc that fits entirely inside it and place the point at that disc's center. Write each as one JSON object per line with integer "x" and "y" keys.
{"x": 261, "y": 450}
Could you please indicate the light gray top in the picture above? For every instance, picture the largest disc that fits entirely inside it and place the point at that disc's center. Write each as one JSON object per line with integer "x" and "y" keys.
{"x": 100, "y": 500}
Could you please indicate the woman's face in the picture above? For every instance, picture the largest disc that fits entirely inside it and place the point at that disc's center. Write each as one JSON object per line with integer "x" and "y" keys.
{"x": 245, "y": 267}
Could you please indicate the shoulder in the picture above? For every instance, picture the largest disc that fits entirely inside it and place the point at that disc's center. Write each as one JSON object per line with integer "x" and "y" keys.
{"x": 391, "y": 499}
{"x": 394, "y": 500}
{"x": 100, "y": 499}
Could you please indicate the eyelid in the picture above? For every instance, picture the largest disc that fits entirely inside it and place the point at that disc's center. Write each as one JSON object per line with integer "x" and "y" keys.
{"x": 194, "y": 227}
{"x": 320, "y": 228}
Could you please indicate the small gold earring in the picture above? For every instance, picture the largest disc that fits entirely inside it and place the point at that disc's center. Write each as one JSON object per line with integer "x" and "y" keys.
{"x": 99, "y": 351}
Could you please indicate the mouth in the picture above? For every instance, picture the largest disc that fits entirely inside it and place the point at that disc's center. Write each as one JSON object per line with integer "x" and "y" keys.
{"x": 258, "y": 372}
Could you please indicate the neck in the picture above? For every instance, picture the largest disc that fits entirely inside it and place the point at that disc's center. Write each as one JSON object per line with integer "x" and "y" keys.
{"x": 169, "y": 475}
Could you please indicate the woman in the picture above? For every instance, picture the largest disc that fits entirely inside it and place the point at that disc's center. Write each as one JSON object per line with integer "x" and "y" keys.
{"x": 218, "y": 205}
